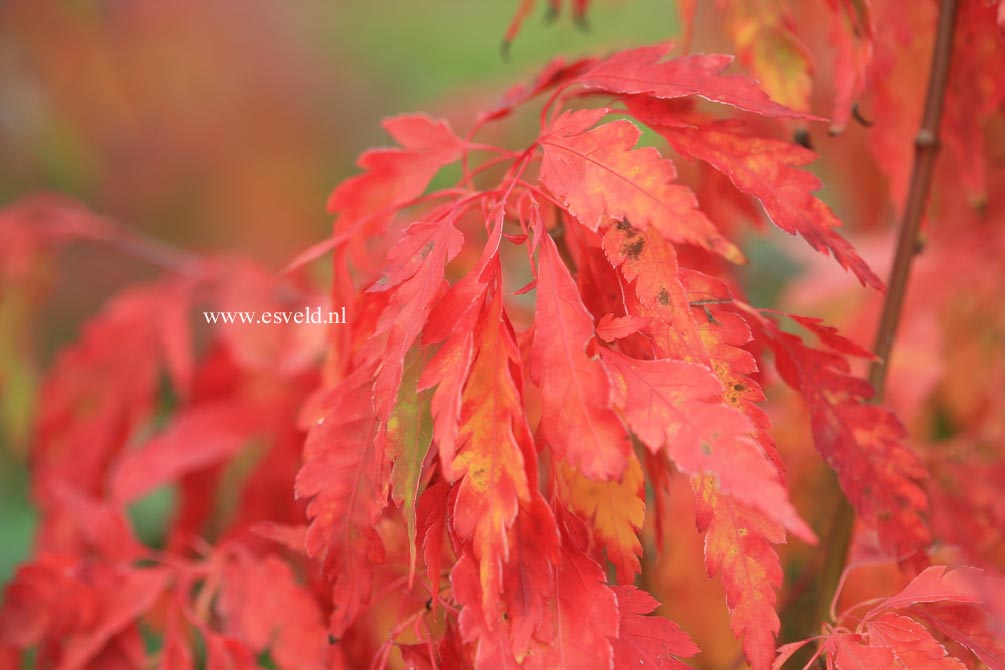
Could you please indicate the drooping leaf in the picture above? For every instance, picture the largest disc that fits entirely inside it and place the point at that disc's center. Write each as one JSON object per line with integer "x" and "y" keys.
{"x": 648, "y": 641}
{"x": 202, "y": 436}
{"x": 851, "y": 34}
{"x": 413, "y": 276}
{"x": 586, "y": 613}
{"x": 577, "y": 421}
{"x": 409, "y": 435}
{"x": 489, "y": 462}
{"x": 864, "y": 443}
{"x": 738, "y": 544}
{"x": 766, "y": 169}
{"x": 346, "y": 484}
{"x": 261, "y": 604}
{"x": 911, "y": 643}
{"x": 614, "y": 510}
{"x": 675, "y": 406}
{"x": 765, "y": 40}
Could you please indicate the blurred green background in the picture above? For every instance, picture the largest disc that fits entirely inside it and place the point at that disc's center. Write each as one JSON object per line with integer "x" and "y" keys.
{"x": 221, "y": 126}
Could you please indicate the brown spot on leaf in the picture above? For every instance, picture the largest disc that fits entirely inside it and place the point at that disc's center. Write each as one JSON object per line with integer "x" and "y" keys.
{"x": 664, "y": 297}
{"x": 633, "y": 249}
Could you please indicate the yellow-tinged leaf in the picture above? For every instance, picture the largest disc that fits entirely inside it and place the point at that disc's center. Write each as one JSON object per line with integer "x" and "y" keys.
{"x": 489, "y": 460}
{"x": 738, "y": 543}
{"x": 614, "y": 509}
{"x": 765, "y": 42}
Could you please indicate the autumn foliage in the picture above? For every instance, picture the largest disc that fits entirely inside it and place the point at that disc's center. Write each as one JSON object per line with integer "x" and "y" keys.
{"x": 554, "y": 412}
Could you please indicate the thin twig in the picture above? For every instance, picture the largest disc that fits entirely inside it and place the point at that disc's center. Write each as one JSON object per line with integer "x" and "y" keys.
{"x": 926, "y": 146}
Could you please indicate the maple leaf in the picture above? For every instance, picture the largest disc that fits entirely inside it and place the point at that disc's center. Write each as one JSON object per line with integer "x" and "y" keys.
{"x": 599, "y": 175}
{"x": 206, "y": 434}
{"x": 576, "y": 419}
{"x": 852, "y": 34}
{"x": 849, "y": 651}
{"x": 974, "y": 95}
{"x": 103, "y": 388}
{"x": 431, "y": 520}
{"x": 643, "y": 71}
{"x": 738, "y": 543}
{"x": 489, "y": 461}
{"x": 344, "y": 479}
{"x": 261, "y": 604}
{"x": 611, "y": 328}
{"x": 648, "y": 641}
{"x": 767, "y": 44}
{"x": 911, "y": 643}
{"x": 492, "y": 641}
{"x": 393, "y": 177}
{"x": 614, "y": 510}
{"x": 675, "y": 406}
{"x": 84, "y": 608}
{"x": 585, "y": 608}
{"x": 529, "y": 577}
{"x": 763, "y": 168}
{"x": 958, "y": 603}
{"x": 514, "y": 632}
{"x": 864, "y": 443}
{"x": 972, "y": 627}
{"x": 413, "y": 276}
{"x": 938, "y": 584}
{"x": 409, "y": 436}
{"x": 650, "y": 263}
{"x": 738, "y": 538}
{"x": 715, "y": 339}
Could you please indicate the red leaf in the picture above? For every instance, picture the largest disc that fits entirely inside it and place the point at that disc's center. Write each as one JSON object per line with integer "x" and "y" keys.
{"x": 912, "y": 644}
{"x": 414, "y": 274}
{"x": 394, "y": 176}
{"x": 865, "y": 443}
{"x": 576, "y": 421}
{"x": 648, "y": 641}
{"x": 101, "y": 389}
{"x": 347, "y": 485}
{"x": 586, "y": 615}
{"x": 849, "y": 652}
{"x": 643, "y": 71}
{"x": 611, "y": 328}
{"x": 983, "y": 633}
{"x": 74, "y": 611}
{"x": 614, "y": 511}
{"x": 201, "y": 436}
{"x": 599, "y": 176}
{"x": 940, "y": 584}
{"x": 738, "y": 543}
{"x": 763, "y": 168}
{"x": 262, "y": 605}
{"x": 489, "y": 461}
{"x": 675, "y": 406}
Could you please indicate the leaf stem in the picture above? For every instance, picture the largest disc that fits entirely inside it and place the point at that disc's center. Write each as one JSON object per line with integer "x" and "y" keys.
{"x": 926, "y": 145}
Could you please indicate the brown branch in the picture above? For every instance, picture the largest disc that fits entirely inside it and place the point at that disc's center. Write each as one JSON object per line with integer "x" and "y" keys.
{"x": 926, "y": 145}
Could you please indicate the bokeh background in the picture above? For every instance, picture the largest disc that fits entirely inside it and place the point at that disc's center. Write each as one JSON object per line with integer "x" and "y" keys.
{"x": 220, "y": 126}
